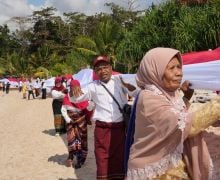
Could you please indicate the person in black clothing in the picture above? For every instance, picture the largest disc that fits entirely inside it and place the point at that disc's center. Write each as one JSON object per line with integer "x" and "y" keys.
{"x": 43, "y": 90}
{"x": 7, "y": 87}
{"x": 30, "y": 89}
{"x": 3, "y": 87}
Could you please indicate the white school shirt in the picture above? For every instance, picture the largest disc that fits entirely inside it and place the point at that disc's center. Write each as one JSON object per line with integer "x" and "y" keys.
{"x": 44, "y": 85}
{"x": 29, "y": 86}
{"x": 20, "y": 83}
{"x": 106, "y": 109}
{"x": 65, "y": 108}
{"x": 57, "y": 94}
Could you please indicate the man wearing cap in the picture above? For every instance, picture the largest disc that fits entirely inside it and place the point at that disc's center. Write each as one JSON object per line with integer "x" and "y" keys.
{"x": 109, "y": 135}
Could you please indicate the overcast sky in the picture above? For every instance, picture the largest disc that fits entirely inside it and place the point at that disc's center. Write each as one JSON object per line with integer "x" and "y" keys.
{"x": 13, "y": 8}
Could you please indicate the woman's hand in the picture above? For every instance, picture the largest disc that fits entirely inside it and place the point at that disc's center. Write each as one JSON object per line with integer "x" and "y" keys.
{"x": 187, "y": 91}
{"x": 65, "y": 91}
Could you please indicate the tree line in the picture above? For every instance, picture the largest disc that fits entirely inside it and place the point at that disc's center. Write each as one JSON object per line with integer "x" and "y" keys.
{"x": 46, "y": 45}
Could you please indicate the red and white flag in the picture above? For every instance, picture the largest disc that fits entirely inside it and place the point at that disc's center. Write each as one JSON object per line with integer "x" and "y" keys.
{"x": 202, "y": 69}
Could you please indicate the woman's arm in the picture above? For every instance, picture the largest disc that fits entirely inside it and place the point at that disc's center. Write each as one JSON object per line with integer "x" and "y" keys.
{"x": 57, "y": 94}
{"x": 64, "y": 114}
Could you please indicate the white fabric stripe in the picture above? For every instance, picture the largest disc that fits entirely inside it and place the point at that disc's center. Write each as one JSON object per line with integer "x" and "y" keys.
{"x": 203, "y": 75}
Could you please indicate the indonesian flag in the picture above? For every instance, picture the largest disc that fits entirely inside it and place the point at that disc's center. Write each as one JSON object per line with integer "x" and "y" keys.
{"x": 202, "y": 69}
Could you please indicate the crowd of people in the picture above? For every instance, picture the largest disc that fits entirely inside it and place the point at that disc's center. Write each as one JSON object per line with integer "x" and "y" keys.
{"x": 5, "y": 87}
{"x": 29, "y": 87}
{"x": 163, "y": 140}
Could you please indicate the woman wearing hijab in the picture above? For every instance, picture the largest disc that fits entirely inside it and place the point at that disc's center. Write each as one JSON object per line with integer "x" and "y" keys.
{"x": 58, "y": 93}
{"x": 77, "y": 111}
{"x": 166, "y": 140}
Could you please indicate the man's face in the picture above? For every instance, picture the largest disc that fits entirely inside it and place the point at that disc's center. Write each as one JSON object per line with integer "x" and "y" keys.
{"x": 104, "y": 71}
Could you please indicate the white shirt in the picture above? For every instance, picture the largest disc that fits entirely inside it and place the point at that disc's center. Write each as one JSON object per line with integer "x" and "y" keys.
{"x": 64, "y": 110}
{"x": 106, "y": 109}
{"x": 57, "y": 94}
{"x": 29, "y": 86}
{"x": 79, "y": 99}
{"x": 44, "y": 86}
{"x": 20, "y": 83}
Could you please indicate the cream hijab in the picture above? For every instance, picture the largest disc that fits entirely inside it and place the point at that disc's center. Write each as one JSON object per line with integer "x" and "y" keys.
{"x": 153, "y": 65}
{"x": 161, "y": 124}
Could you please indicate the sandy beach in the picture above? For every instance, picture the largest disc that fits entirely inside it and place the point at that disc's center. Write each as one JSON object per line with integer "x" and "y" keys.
{"x": 30, "y": 149}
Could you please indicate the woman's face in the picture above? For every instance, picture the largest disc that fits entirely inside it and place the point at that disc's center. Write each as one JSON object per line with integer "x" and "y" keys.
{"x": 58, "y": 84}
{"x": 173, "y": 75}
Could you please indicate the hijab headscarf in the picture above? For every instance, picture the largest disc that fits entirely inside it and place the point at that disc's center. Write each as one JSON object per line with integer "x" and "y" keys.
{"x": 153, "y": 65}
{"x": 77, "y": 102}
{"x": 56, "y": 81}
{"x": 161, "y": 124}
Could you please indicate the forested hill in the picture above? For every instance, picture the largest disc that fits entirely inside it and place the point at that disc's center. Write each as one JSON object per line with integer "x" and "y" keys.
{"x": 48, "y": 45}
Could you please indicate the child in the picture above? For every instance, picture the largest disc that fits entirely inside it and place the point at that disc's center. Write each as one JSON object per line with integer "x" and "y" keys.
{"x": 77, "y": 111}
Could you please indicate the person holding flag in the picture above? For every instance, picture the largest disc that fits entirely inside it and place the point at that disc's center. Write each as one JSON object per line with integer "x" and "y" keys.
{"x": 77, "y": 111}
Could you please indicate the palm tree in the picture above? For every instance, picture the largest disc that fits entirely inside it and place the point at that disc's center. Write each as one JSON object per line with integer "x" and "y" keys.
{"x": 104, "y": 41}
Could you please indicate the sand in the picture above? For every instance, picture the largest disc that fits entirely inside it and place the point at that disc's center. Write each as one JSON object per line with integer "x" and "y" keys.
{"x": 30, "y": 149}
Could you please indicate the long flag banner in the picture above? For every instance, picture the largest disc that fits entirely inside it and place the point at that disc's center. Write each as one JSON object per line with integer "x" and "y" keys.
{"x": 202, "y": 69}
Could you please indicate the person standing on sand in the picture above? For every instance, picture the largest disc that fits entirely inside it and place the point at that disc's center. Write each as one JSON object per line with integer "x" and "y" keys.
{"x": 77, "y": 111}
{"x": 109, "y": 135}
{"x": 24, "y": 89}
{"x": 20, "y": 83}
{"x": 43, "y": 89}
{"x": 168, "y": 140}
{"x": 58, "y": 92}
{"x": 3, "y": 87}
{"x": 7, "y": 87}
{"x": 30, "y": 88}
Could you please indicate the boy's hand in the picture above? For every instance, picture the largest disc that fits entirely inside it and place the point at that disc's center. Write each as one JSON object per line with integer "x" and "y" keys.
{"x": 127, "y": 85}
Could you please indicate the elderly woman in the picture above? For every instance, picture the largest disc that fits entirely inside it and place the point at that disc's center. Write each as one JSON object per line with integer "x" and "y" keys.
{"x": 58, "y": 92}
{"x": 168, "y": 141}
{"x": 77, "y": 111}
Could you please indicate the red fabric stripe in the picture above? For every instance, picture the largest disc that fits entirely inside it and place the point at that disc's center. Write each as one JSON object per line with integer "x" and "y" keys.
{"x": 81, "y": 105}
{"x": 201, "y": 56}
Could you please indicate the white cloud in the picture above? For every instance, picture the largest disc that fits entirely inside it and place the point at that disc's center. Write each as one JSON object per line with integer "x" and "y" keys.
{"x": 92, "y": 6}
{"x": 85, "y": 6}
{"x": 12, "y": 8}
